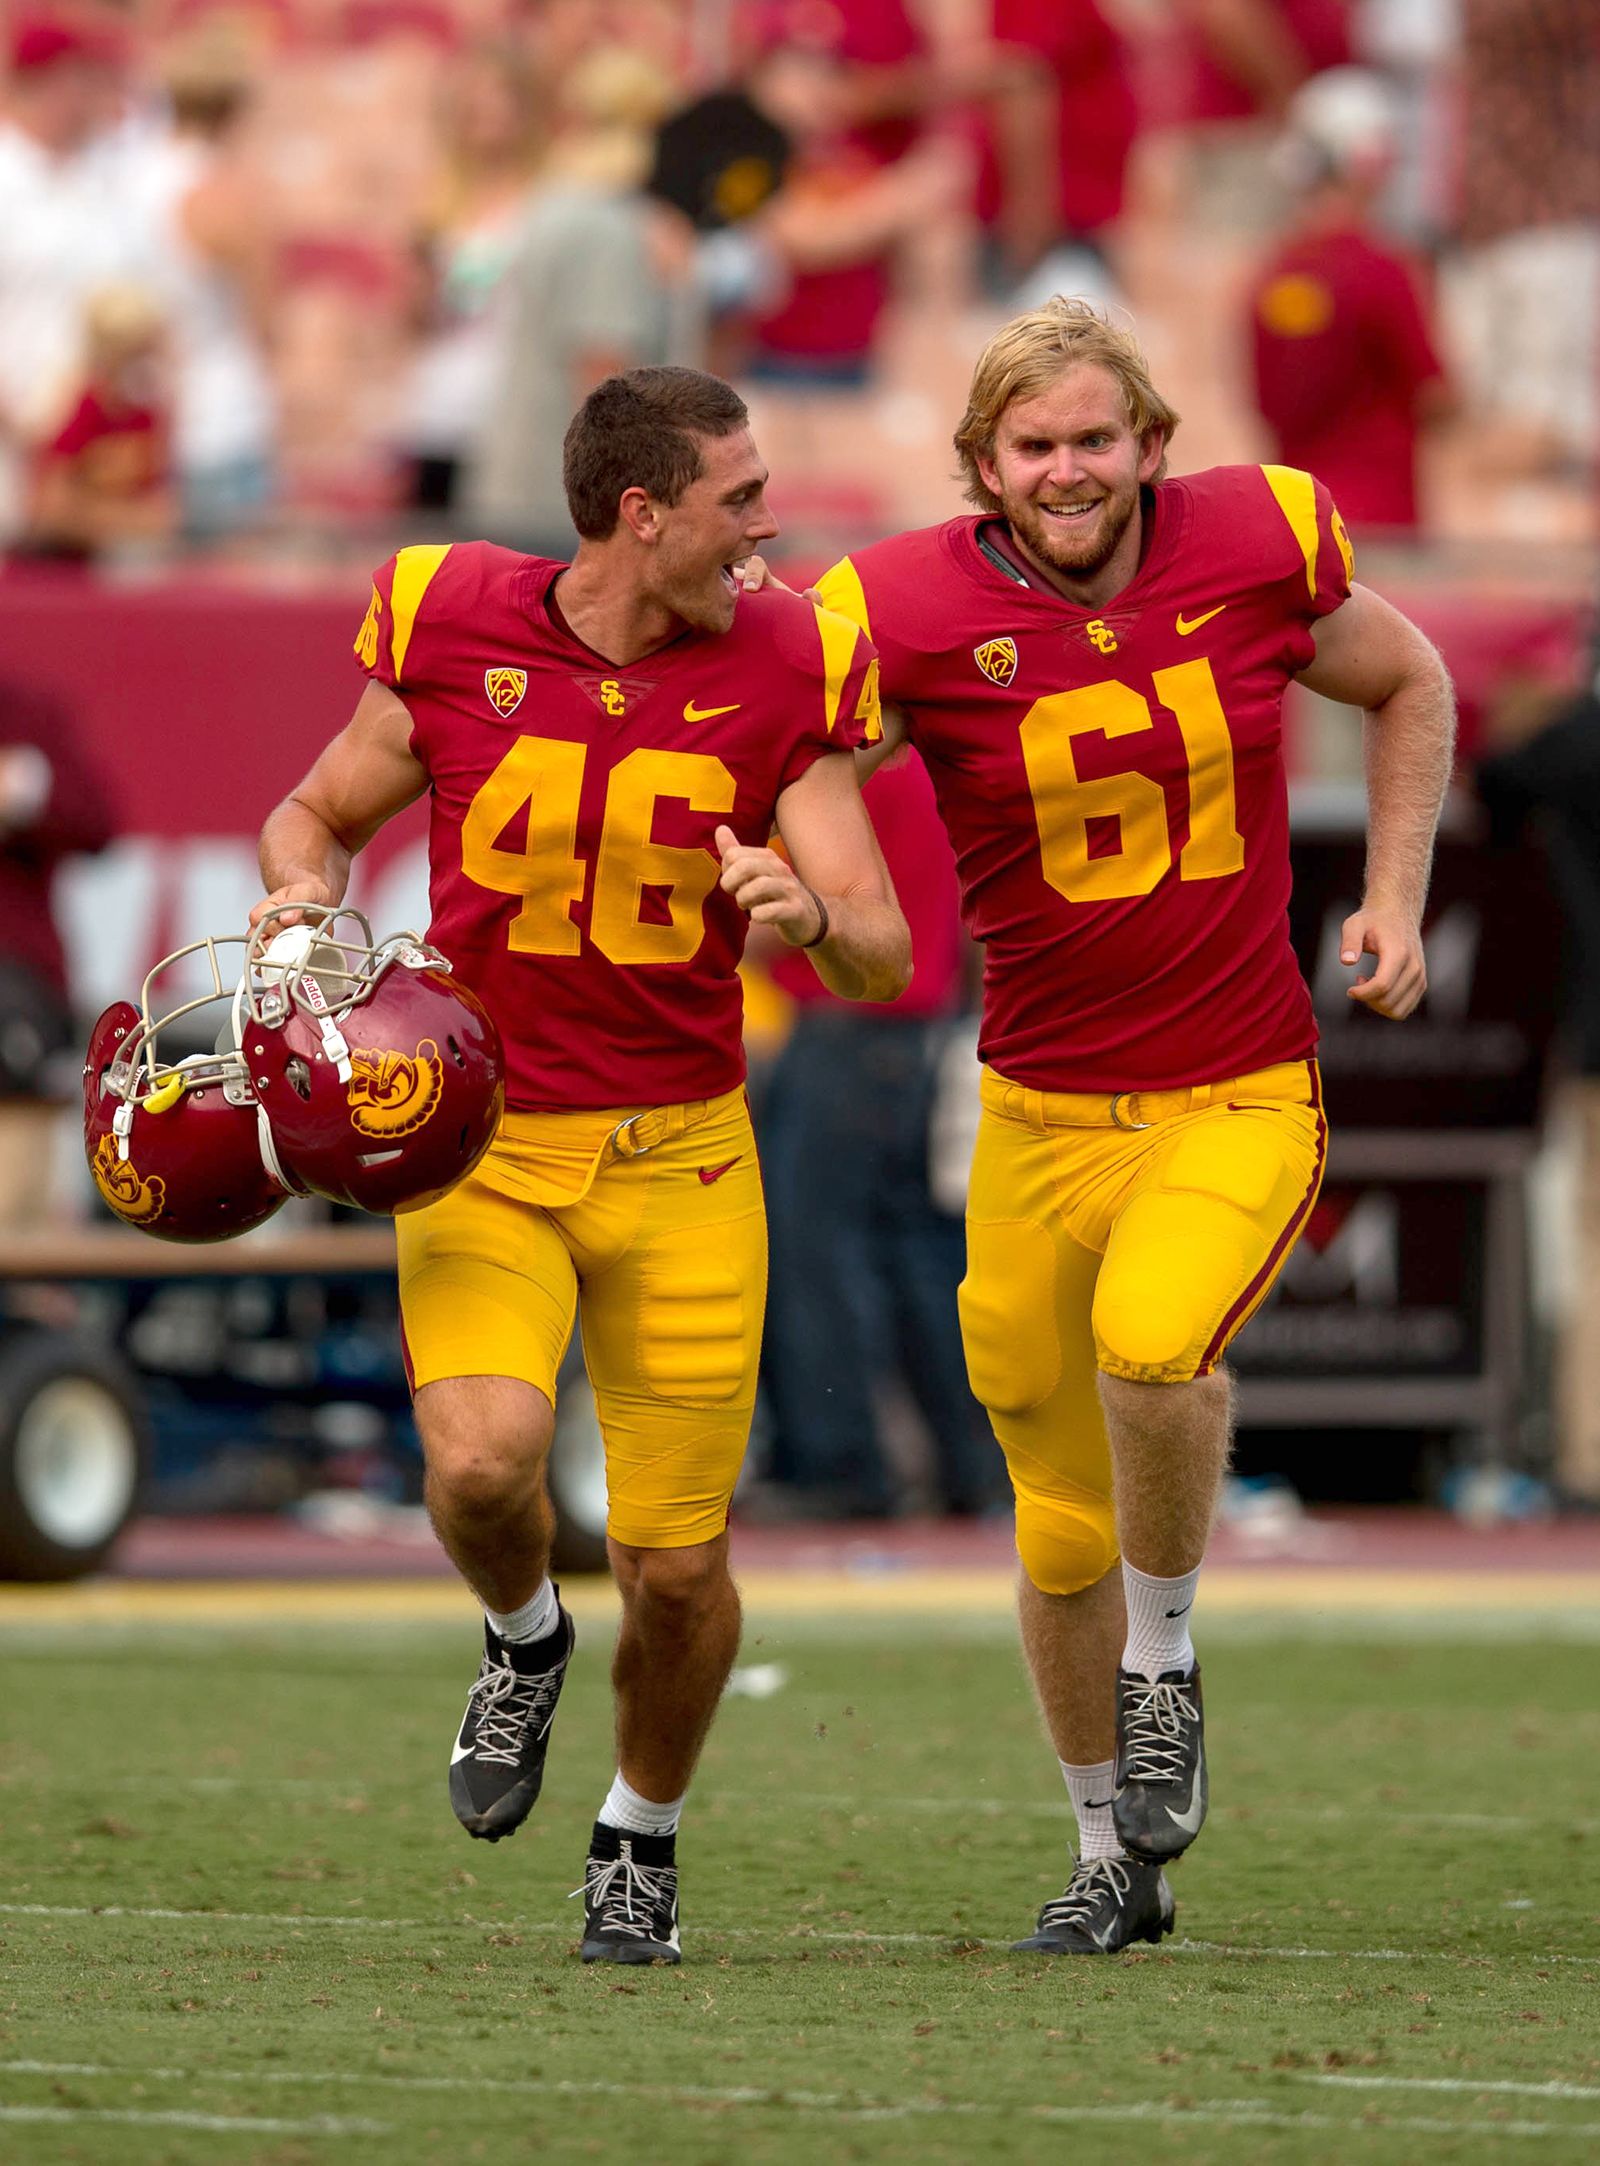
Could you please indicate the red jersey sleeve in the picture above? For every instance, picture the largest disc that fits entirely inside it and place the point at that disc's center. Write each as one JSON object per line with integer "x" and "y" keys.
{"x": 399, "y": 592}
{"x": 834, "y": 704}
{"x": 1320, "y": 580}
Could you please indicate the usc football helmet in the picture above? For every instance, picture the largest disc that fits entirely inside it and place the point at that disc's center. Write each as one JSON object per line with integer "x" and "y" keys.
{"x": 174, "y": 1145}
{"x": 381, "y": 1080}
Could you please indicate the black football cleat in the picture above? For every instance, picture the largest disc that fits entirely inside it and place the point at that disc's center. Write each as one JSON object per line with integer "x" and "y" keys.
{"x": 630, "y": 1898}
{"x": 1109, "y": 1903}
{"x": 497, "y": 1763}
{"x": 1161, "y": 1794}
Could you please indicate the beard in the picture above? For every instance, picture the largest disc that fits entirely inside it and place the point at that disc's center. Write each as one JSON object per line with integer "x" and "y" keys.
{"x": 1079, "y": 548}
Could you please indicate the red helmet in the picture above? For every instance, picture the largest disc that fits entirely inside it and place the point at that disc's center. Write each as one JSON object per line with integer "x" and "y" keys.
{"x": 175, "y": 1145}
{"x": 380, "y": 1078}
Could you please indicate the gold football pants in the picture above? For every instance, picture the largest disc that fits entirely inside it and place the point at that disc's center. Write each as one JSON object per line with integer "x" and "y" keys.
{"x": 648, "y": 1223}
{"x": 1133, "y": 1236}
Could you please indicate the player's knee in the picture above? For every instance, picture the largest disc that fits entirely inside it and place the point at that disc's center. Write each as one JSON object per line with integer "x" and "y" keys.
{"x": 478, "y": 1481}
{"x": 1065, "y": 1546}
{"x": 478, "y": 1465}
{"x": 673, "y": 1582}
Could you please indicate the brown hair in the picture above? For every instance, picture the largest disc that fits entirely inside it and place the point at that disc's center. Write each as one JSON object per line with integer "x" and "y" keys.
{"x": 1025, "y": 358}
{"x": 641, "y": 430}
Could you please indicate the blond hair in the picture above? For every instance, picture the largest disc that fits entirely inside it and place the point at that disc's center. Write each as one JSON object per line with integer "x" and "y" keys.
{"x": 1025, "y": 358}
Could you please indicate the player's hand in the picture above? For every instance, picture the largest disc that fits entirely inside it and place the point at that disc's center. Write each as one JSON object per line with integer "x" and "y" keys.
{"x": 1400, "y": 977}
{"x": 285, "y": 899}
{"x": 755, "y": 573}
{"x": 768, "y": 889}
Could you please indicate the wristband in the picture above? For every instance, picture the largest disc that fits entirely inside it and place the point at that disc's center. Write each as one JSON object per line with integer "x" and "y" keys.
{"x": 821, "y": 932}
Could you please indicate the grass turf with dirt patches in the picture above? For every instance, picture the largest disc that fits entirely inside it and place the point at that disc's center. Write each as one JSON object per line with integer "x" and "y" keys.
{"x": 240, "y": 1924}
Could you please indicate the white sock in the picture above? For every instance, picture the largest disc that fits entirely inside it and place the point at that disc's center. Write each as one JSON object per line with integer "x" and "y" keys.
{"x": 625, "y": 1808}
{"x": 1090, "y": 1791}
{"x": 534, "y": 1621}
{"x": 1158, "y": 1622}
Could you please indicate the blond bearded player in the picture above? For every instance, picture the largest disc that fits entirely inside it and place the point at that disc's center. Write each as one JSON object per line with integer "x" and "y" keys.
{"x": 594, "y": 742}
{"x": 1093, "y": 669}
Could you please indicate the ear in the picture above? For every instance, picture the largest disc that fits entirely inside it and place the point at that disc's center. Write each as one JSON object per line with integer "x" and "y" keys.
{"x": 638, "y": 511}
{"x": 988, "y": 473}
{"x": 1152, "y": 450}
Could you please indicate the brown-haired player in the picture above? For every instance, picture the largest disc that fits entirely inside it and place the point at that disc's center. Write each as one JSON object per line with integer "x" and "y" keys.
{"x": 1093, "y": 669}
{"x": 594, "y": 741}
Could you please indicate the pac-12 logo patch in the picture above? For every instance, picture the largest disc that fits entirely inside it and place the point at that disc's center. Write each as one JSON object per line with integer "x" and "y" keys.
{"x": 505, "y": 688}
{"x": 997, "y": 658}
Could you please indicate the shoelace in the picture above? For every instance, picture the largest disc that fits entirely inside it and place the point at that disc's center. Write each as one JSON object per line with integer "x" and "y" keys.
{"x": 1157, "y": 1716}
{"x": 508, "y": 1704}
{"x": 614, "y": 1886}
{"x": 1092, "y": 1880}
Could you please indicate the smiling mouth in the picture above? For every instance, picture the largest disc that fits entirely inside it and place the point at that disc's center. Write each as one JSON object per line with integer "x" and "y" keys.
{"x": 1072, "y": 514}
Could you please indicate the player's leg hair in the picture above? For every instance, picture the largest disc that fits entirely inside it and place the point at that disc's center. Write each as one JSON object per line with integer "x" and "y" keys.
{"x": 1169, "y": 1452}
{"x": 675, "y": 1647}
{"x": 1072, "y": 1643}
{"x": 485, "y": 1442}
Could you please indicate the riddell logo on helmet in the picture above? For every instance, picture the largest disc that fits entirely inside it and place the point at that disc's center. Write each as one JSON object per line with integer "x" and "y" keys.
{"x": 131, "y": 1196}
{"x": 393, "y": 1094}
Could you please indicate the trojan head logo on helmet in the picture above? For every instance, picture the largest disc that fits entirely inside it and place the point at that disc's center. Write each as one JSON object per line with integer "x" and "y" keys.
{"x": 380, "y": 1077}
{"x": 173, "y": 1138}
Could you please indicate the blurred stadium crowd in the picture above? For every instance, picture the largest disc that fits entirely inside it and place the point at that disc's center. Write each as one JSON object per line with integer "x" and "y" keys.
{"x": 273, "y": 266}
{"x": 283, "y": 282}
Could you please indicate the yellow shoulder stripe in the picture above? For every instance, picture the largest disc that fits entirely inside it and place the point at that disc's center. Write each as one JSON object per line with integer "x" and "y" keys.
{"x": 842, "y": 592}
{"x": 1296, "y": 495}
{"x": 413, "y": 575}
{"x": 838, "y": 636}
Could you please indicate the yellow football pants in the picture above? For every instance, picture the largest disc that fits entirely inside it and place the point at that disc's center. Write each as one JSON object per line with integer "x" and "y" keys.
{"x": 1132, "y": 1236}
{"x": 651, "y": 1226}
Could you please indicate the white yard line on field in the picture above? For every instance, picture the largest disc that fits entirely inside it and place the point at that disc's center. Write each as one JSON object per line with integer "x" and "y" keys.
{"x": 212, "y": 2123}
{"x": 1238, "y": 2112}
{"x": 856, "y": 1936}
{"x": 1451, "y": 2084}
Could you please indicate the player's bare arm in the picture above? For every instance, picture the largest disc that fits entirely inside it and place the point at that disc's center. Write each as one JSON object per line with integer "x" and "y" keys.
{"x": 1370, "y": 656}
{"x": 363, "y": 778}
{"x": 837, "y": 884}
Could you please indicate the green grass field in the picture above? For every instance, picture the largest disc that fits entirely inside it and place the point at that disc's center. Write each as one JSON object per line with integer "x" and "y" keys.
{"x": 239, "y": 1923}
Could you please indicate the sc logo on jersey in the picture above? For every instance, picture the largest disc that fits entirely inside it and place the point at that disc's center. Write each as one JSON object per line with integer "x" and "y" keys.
{"x": 612, "y": 697}
{"x": 997, "y": 658}
{"x": 1100, "y": 636}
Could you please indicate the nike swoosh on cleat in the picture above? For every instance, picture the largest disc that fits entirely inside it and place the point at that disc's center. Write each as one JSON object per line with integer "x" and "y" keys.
{"x": 1186, "y": 625}
{"x": 458, "y": 1751}
{"x": 1189, "y": 1821}
{"x": 708, "y": 1174}
{"x": 692, "y": 713}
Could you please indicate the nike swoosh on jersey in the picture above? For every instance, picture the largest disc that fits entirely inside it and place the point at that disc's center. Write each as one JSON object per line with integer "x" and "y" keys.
{"x": 708, "y": 1174}
{"x": 1186, "y": 625}
{"x": 692, "y": 713}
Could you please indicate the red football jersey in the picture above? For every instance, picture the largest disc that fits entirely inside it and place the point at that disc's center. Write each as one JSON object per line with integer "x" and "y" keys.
{"x": 573, "y": 876}
{"x": 1113, "y": 780}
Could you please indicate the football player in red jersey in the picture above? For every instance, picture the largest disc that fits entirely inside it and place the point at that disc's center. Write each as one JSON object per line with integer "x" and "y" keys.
{"x": 607, "y": 749}
{"x": 1093, "y": 670}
